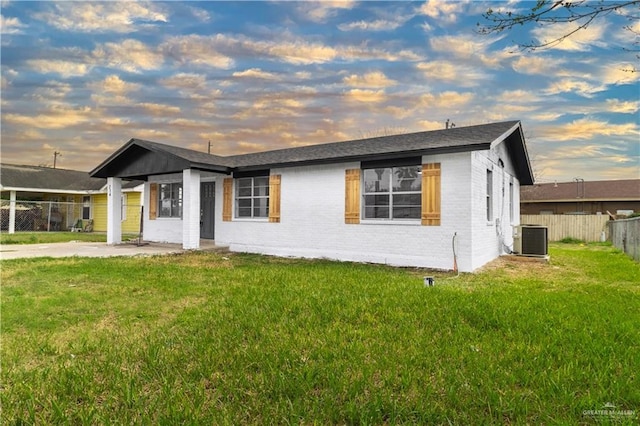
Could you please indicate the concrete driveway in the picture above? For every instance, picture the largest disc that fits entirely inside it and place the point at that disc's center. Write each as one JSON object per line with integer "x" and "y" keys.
{"x": 82, "y": 249}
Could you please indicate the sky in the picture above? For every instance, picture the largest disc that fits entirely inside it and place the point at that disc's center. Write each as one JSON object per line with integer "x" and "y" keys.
{"x": 82, "y": 78}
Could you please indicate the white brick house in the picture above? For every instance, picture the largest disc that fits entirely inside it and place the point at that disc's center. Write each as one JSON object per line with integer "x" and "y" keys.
{"x": 442, "y": 199}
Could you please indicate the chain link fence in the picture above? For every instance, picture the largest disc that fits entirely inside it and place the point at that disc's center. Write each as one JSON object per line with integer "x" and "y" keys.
{"x": 56, "y": 216}
{"x": 33, "y": 216}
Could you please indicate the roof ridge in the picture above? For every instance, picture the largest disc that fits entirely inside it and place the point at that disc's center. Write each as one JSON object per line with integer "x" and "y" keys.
{"x": 369, "y": 139}
{"x": 374, "y": 138}
{"x": 33, "y": 166}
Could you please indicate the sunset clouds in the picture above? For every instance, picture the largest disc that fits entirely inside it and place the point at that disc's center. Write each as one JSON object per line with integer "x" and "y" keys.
{"x": 82, "y": 78}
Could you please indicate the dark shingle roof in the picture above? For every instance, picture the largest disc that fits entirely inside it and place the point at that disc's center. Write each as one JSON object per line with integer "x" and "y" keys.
{"x": 46, "y": 178}
{"x": 605, "y": 190}
{"x": 140, "y": 158}
{"x": 447, "y": 140}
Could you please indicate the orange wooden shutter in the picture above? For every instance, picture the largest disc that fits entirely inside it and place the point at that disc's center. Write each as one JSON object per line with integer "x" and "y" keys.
{"x": 153, "y": 201}
{"x": 274, "y": 198}
{"x": 227, "y": 198}
{"x": 431, "y": 194}
{"x": 352, "y": 196}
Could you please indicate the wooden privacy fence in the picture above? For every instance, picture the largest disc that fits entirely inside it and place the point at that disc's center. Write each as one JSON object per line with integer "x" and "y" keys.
{"x": 587, "y": 228}
{"x": 625, "y": 234}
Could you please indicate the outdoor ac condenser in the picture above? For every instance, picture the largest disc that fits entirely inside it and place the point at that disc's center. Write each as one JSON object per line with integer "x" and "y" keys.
{"x": 531, "y": 240}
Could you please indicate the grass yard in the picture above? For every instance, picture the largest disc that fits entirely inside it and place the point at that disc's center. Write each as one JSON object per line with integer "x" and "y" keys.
{"x": 55, "y": 237}
{"x": 206, "y": 338}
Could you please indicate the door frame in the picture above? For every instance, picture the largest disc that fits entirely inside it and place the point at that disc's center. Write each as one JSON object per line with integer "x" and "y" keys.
{"x": 204, "y": 209}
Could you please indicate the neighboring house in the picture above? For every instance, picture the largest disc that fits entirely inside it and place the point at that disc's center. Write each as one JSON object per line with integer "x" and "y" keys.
{"x": 69, "y": 195}
{"x": 618, "y": 197}
{"x": 430, "y": 199}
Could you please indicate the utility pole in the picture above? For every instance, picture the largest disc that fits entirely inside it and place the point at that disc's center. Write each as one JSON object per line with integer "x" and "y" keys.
{"x": 579, "y": 194}
{"x": 209, "y": 148}
{"x": 55, "y": 157}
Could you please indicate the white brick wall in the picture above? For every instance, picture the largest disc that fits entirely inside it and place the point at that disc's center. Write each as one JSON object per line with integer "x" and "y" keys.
{"x": 495, "y": 237}
{"x": 312, "y": 222}
{"x": 312, "y": 218}
{"x": 162, "y": 229}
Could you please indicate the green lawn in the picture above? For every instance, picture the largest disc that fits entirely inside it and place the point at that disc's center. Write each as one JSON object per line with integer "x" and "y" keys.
{"x": 206, "y": 338}
{"x": 55, "y": 237}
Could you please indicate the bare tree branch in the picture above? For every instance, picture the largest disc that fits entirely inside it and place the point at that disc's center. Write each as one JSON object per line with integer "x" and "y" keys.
{"x": 550, "y": 12}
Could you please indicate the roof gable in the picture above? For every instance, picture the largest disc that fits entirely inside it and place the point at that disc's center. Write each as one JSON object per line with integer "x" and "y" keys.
{"x": 517, "y": 150}
{"x": 138, "y": 159}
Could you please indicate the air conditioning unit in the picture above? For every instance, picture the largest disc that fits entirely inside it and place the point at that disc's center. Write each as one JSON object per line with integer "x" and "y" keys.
{"x": 531, "y": 240}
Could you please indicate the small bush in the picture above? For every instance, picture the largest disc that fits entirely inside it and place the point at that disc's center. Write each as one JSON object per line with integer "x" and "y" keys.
{"x": 571, "y": 240}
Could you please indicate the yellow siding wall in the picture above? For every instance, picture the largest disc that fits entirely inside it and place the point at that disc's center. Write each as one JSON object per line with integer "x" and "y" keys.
{"x": 99, "y": 212}
{"x": 131, "y": 224}
{"x": 70, "y": 207}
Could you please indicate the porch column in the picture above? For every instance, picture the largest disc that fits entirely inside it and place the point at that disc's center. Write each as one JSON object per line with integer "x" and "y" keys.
{"x": 12, "y": 212}
{"x": 190, "y": 209}
{"x": 114, "y": 212}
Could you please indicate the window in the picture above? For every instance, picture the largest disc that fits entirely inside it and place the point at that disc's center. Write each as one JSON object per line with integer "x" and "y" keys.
{"x": 252, "y": 197}
{"x": 70, "y": 211}
{"x": 511, "y": 212}
{"x": 123, "y": 207}
{"x": 489, "y": 195}
{"x": 393, "y": 193}
{"x": 170, "y": 200}
{"x": 86, "y": 207}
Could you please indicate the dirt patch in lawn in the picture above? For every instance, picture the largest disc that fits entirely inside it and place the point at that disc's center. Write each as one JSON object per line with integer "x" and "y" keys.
{"x": 519, "y": 264}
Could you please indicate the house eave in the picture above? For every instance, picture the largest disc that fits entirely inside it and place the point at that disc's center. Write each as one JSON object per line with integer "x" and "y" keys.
{"x": 579, "y": 200}
{"x": 47, "y": 190}
{"x": 367, "y": 157}
{"x": 212, "y": 168}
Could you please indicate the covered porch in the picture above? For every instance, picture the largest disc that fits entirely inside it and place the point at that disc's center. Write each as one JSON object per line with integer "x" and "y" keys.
{"x": 179, "y": 202}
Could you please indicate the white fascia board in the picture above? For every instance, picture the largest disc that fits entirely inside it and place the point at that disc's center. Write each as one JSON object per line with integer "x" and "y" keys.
{"x": 138, "y": 188}
{"x": 103, "y": 190}
{"x": 45, "y": 190}
{"x": 503, "y": 136}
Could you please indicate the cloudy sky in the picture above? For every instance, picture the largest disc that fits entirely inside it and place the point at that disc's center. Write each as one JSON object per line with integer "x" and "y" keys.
{"x": 83, "y": 78}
